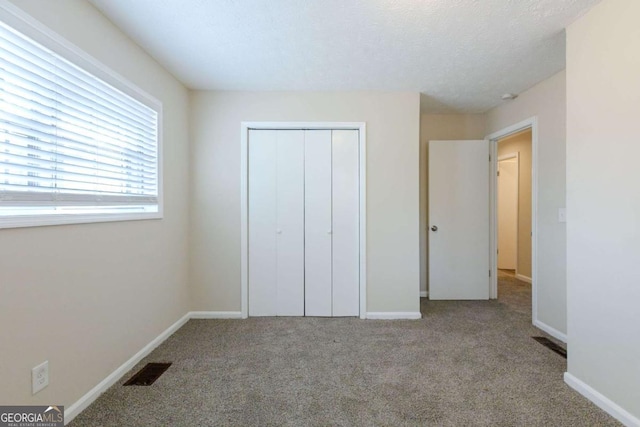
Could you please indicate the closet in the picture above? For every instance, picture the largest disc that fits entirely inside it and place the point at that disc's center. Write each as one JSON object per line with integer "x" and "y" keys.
{"x": 303, "y": 222}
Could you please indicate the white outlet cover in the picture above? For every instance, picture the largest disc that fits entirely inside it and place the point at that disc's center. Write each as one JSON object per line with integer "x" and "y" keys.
{"x": 40, "y": 377}
{"x": 562, "y": 215}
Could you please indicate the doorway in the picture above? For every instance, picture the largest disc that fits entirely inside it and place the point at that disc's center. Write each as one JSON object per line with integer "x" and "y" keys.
{"x": 513, "y": 214}
{"x": 514, "y": 219}
{"x": 514, "y": 205}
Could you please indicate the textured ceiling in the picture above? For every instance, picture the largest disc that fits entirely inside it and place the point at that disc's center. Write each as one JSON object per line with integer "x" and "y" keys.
{"x": 462, "y": 55}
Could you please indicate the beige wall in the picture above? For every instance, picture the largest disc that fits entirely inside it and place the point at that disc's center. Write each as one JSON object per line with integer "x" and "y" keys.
{"x": 546, "y": 101}
{"x": 88, "y": 297}
{"x": 521, "y": 143}
{"x": 603, "y": 202}
{"x": 392, "y": 187}
{"x": 439, "y": 127}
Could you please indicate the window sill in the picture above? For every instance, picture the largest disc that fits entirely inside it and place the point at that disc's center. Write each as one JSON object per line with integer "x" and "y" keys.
{"x": 70, "y": 219}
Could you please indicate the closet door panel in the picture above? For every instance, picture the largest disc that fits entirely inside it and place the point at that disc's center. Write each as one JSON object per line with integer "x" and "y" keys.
{"x": 290, "y": 223}
{"x": 346, "y": 212}
{"x": 318, "y": 223}
{"x": 262, "y": 223}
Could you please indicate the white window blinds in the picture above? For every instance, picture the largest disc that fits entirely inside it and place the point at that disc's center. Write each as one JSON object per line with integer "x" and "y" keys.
{"x": 69, "y": 142}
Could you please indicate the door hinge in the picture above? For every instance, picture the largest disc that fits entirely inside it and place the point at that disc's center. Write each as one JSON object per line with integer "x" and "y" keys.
{"x": 498, "y": 173}
{"x": 489, "y": 273}
{"x": 489, "y": 157}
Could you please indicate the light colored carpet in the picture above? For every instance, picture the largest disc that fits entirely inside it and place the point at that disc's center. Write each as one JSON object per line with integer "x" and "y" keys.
{"x": 463, "y": 364}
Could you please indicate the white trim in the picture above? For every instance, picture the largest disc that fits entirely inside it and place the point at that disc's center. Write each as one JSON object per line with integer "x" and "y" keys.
{"x": 363, "y": 218}
{"x": 46, "y": 220}
{"x": 513, "y": 129}
{"x": 215, "y": 315}
{"x": 244, "y": 201}
{"x": 305, "y": 125}
{"x": 424, "y": 294}
{"x": 493, "y": 138}
{"x": 394, "y": 315}
{"x": 244, "y": 220}
{"x": 21, "y": 21}
{"x": 603, "y": 402}
{"x": 523, "y": 278}
{"x": 493, "y": 219}
{"x": 81, "y": 404}
{"x": 551, "y": 331}
{"x": 160, "y": 166}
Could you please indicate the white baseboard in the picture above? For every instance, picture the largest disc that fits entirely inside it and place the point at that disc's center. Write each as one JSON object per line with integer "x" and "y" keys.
{"x": 551, "y": 331}
{"x": 524, "y": 278}
{"x": 72, "y": 411}
{"x": 424, "y": 294}
{"x": 215, "y": 315}
{"x": 394, "y": 315}
{"x": 602, "y": 401}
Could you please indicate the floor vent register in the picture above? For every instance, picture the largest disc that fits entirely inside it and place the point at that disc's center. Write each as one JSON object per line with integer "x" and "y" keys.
{"x": 149, "y": 374}
{"x": 551, "y": 346}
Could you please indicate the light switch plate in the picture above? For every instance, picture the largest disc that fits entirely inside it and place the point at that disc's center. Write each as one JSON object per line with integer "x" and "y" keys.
{"x": 562, "y": 215}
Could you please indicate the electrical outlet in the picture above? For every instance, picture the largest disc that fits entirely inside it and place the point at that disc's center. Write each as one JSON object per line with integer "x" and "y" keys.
{"x": 562, "y": 215}
{"x": 40, "y": 377}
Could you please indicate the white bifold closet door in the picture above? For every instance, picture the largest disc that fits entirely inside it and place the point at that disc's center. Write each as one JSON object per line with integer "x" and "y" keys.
{"x": 276, "y": 223}
{"x": 304, "y": 223}
{"x": 317, "y": 226}
{"x": 346, "y": 223}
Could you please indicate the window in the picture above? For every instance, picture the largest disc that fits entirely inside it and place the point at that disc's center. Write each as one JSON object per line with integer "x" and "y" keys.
{"x": 73, "y": 147}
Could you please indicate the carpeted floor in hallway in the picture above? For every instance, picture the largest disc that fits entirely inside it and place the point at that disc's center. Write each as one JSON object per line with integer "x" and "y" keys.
{"x": 466, "y": 363}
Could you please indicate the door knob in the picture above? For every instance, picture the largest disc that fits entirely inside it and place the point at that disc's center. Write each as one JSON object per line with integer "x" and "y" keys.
{"x": 279, "y": 231}
{"x": 434, "y": 228}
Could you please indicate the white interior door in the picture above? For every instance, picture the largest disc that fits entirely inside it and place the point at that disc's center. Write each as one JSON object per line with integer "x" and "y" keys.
{"x": 459, "y": 220}
{"x": 346, "y": 220}
{"x": 508, "y": 212}
{"x": 290, "y": 227}
{"x": 317, "y": 239}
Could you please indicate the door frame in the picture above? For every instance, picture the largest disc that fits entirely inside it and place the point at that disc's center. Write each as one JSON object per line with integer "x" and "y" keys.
{"x": 244, "y": 198}
{"x": 530, "y": 123}
{"x": 508, "y": 156}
